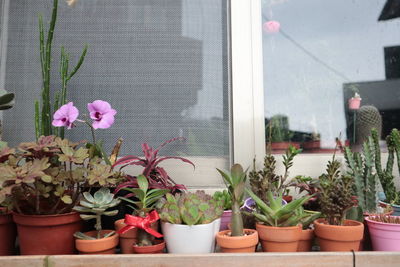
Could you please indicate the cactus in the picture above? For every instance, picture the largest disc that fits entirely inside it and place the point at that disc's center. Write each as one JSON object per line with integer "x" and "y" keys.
{"x": 368, "y": 118}
{"x": 386, "y": 176}
{"x": 278, "y": 126}
{"x": 96, "y": 206}
{"x": 361, "y": 168}
{"x": 6, "y": 102}
{"x": 190, "y": 208}
{"x": 275, "y": 213}
{"x": 43, "y": 118}
{"x": 235, "y": 182}
{"x": 336, "y": 193}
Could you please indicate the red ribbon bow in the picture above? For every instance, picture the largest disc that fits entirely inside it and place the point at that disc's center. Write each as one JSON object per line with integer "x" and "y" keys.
{"x": 143, "y": 223}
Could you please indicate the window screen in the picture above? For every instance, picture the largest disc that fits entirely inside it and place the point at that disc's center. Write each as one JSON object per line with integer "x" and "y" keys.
{"x": 162, "y": 64}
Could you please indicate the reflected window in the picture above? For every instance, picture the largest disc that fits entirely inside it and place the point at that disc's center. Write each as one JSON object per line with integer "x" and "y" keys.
{"x": 332, "y": 69}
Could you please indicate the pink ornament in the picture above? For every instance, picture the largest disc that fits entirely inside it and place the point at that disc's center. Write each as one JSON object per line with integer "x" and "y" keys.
{"x": 355, "y": 102}
{"x": 271, "y": 26}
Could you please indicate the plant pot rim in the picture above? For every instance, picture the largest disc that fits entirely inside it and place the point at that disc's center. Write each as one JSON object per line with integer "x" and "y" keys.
{"x": 159, "y": 244}
{"x": 190, "y": 226}
{"x": 114, "y": 236}
{"x": 43, "y": 215}
{"x": 278, "y": 227}
{"x": 321, "y": 220}
{"x": 383, "y": 223}
{"x": 223, "y": 234}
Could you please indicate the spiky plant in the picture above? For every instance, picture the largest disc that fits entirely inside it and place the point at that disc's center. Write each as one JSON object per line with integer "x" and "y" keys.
{"x": 93, "y": 207}
{"x": 336, "y": 191}
{"x": 361, "y": 168}
{"x": 43, "y": 114}
{"x": 235, "y": 182}
{"x": 385, "y": 218}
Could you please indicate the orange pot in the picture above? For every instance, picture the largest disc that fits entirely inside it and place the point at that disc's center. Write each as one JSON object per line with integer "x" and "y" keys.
{"x": 279, "y": 239}
{"x": 306, "y": 240}
{"x": 345, "y": 237}
{"x": 99, "y": 246}
{"x": 238, "y": 244}
{"x": 154, "y": 249}
{"x": 47, "y": 234}
{"x": 8, "y": 234}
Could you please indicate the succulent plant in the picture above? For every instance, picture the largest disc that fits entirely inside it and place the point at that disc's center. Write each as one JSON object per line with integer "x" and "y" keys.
{"x": 275, "y": 213}
{"x": 156, "y": 175}
{"x": 263, "y": 180}
{"x": 190, "y": 208}
{"x": 278, "y": 127}
{"x": 361, "y": 168}
{"x": 386, "y": 176}
{"x": 145, "y": 203}
{"x": 225, "y": 197}
{"x": 7, "y": 101}
{"x": 307, "y": 217}
{"x": 336, "y": 193}
{"x": 235, "y": 181}
{"x": 93, "y": 207}
{"x": 48, "y": 176}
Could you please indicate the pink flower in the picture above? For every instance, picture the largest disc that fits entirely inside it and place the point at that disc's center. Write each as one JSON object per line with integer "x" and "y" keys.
{"x": 102, "y": 114}
{"x": 271, "y": 26}
{"x": 65, "y": 116}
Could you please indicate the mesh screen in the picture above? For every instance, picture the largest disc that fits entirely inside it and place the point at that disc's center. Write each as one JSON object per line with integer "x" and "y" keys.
{"x": 162, "y": 64}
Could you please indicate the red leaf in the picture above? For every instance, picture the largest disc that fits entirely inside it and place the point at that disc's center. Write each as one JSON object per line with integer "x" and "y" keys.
{"x": 180, "y": 158}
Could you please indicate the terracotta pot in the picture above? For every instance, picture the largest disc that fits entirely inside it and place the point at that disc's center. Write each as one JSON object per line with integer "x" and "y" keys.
{"x": 279, "y": 239}
{"x": 238, "y": 244}
{"x": 99, "y": 246}
{"x": 154, "y": 249}
{"x": 280, "y": 147}
{"x": 310, "y": 145}
{"x": 47, "y": 234}
{"x": 306, "y": 240}
{"x": 345, "y": 237}
{"x": 8, "y": 233}
{"x": 126, "y": 240}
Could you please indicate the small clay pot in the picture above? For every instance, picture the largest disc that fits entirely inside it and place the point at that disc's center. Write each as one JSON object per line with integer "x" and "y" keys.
{"x": 280, "y": 147}
{"x": 306, "y": 240}
{"x": 154, "y": 249}
{"x": 345, "y": 237}
{"x": 238, "y": 244}
{"x": 47, "y": 234}
{"x": 279, "y": 239}
{"x": 8, "y": 233}
{"x": 99, "y": 246}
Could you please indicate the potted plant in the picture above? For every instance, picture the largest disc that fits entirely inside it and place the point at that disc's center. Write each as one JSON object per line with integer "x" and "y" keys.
{"x": 279, "y": 135}
{"x": 226, "y": 216}
{"x": 156, "y": 175}
{"x": 190, "y": 222}
{"x": 386, "y": 176}
{"x": 143, "y": 225}
{"x": 310, "y": 186}
{"x": 278, "y": 225}
{"x": 93, "y": 207}
{"x": 384, "y": 231}
{"x": 237, "y": 239}
{"x": 312, "y": 143}
{"x": 336, "y": 198}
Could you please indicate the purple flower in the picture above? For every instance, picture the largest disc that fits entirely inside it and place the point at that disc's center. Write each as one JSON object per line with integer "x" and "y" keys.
{"x": 65, "y": 115}
{"x": 102, "y": 114}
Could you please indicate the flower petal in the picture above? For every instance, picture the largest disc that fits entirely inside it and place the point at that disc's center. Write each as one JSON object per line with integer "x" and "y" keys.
{"x": 106, "y": 121}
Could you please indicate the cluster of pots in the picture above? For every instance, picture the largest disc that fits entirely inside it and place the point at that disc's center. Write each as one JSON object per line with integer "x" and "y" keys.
{"x": 37, "y": 235}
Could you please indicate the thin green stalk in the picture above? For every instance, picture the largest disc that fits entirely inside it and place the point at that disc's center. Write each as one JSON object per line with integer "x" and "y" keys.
{"x": 237, "y": 220}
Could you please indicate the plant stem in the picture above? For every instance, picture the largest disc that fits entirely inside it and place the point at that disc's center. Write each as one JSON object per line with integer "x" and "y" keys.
{"x": 237, "y": 220}
{"x": 98, "y": 225}
{"x": 92, "y": 130}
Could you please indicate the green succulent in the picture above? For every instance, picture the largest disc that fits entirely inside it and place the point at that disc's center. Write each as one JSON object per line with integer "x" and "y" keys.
{"x": 277, "y": 214}
{"x": 225, "y": 197}
{"x": 190, "y": 208}
{"x": 7, "y": 101}
{"x": 235, "y": 181}
{"x": 96, "y": 205}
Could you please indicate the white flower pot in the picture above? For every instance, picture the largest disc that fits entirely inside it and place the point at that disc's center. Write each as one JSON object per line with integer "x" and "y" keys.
{"x": 194, "y": 239}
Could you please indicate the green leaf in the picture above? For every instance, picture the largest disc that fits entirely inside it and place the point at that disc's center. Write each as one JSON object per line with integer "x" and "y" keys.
{"x": 66, "y": 199}
{"x": 46, "y": 178}
{"x": 143, "y": 183}
{"x": 292, "y": 206}
{"x": 7, "y": 98}
{"x": 260, "y": 203}
{"x": 136, "y": 191}
{"x": 88, "y": 196}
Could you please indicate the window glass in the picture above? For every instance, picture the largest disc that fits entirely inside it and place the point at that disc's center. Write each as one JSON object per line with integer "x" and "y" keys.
{"x": 317, "y": 56}
{"x": 163, "y": 65}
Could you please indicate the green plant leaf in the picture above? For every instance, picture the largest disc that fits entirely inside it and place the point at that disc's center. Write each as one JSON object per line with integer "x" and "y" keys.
{"x": 66, "y": 199}
{"x": 143, "y": 183}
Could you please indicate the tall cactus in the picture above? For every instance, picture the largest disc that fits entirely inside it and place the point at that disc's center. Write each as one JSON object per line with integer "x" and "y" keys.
{"x": 361, "y": 167}
{"x": 386, "y": 175}
{"x": 43, "y": 114}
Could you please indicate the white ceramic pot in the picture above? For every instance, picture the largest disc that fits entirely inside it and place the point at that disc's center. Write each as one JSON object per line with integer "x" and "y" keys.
{"x": 193, "y": 239}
